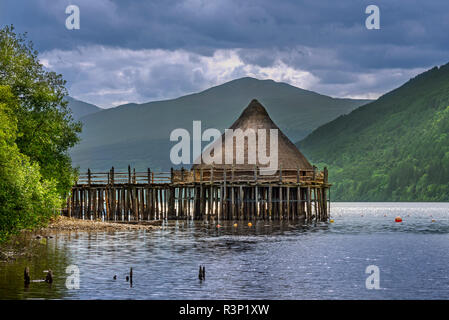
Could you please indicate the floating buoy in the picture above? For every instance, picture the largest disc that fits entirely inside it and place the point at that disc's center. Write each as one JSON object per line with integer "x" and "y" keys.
{"x": 398, "y": 219}
{"x": 385, "y": 215}
{"x": 433, "y": 220}
{"x": 218, "y": 226}
{"x": 250, "y": 224}
{"x": 235, "y": 225}
{"x": 331, "y": 220}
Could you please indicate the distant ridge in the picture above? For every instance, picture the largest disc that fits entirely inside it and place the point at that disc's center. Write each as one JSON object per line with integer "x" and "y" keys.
{"x": 80, "y": 108}
{"x": 138, "y": 134}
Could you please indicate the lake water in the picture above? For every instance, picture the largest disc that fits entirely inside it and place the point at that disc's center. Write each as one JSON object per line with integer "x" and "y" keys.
{"x": 269, "y": 260}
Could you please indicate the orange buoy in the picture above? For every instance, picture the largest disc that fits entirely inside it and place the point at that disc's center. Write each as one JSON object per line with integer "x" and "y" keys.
{"x": 235, "y": 225}
{"x": 331, "y": 220}
{"x": 250, "y": 224}
{"x": 398, "y": 219}
{"x": 218, "y": 226}
{"x": 433, "y": 220}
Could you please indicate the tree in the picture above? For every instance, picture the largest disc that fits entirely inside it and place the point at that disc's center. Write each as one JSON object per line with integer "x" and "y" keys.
{"x": 36, "y": 132}
{"x": 26, "y": 200}
{"x": 45, "y": 129}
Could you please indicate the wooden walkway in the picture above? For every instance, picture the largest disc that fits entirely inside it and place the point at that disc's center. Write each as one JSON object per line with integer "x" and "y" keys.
{"x": 214, "y": 194}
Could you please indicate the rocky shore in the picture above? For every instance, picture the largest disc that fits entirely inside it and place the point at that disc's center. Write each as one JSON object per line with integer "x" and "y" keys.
{"x": 70, "y": 224}
{"x": 23, "y": 244}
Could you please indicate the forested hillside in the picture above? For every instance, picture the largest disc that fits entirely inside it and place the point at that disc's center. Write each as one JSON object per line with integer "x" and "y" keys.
{"x": 393, "y": 149}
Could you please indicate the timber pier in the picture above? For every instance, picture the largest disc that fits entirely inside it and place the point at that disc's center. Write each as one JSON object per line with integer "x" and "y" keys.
{"x": 200, "y": 194}
{"x": 221, "y": 190}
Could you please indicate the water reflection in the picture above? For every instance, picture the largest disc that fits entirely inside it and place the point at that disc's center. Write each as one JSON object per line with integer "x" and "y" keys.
{"x": 277, "y": 260}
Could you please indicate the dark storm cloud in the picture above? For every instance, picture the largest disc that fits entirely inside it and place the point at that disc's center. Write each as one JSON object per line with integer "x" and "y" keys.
{"x": 325, "y": 38}
{"x": 209, "y": 24}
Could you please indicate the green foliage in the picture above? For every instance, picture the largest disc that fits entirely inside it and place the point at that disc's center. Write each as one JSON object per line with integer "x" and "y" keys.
{"x": 26, "y": 200}
{"x": 36, "y": 131}
{"x": 393, "y": 149}
{"x": 46, "y": 129}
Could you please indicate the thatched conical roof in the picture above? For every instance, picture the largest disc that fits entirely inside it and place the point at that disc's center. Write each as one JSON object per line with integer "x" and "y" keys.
{"x": 256, "y": 117}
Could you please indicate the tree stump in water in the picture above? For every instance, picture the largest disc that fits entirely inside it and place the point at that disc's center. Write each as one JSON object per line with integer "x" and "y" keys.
{"x": 49, "y": 277}
{"x": 26, "y": 276}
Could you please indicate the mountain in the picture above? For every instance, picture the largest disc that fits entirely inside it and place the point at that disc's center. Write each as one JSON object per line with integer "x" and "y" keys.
{"x": 80, "y": 108}
{"x": 393, "y": 149}
{"x": 138, "y": 134}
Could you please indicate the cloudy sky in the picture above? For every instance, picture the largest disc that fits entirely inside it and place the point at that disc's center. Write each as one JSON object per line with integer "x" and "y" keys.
{"x": 144, "y": 50}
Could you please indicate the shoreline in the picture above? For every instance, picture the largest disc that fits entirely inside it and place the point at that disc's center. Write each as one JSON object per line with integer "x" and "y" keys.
{"x": 62, "y": 223}
{"x": 23, "y": 244}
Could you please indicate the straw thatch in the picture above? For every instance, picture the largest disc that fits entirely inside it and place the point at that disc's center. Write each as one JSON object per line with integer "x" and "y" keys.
{"x": 256, "y": 117}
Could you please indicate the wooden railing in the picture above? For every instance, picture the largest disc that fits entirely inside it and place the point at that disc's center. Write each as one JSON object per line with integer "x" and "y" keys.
{"x": 211, "y": 175}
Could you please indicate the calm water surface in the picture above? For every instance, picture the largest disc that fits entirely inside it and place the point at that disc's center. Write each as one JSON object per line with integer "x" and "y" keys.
{"x": 266, "y": 261}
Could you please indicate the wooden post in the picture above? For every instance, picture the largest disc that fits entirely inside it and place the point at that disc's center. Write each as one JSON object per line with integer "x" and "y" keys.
{"x": 297, "y": 175}
{"x": 89, "y": 194}
{"x": 256, "y": 203}
{"x": 49, "y": 277}
{"x": 198, "y": 196}
{"x": 177, "y": 202}
{"x": 171, "y": 203}
{"x": 26, "y": 277}
{"x": 309, "y": 203}
{"x": 241, "y": 203}
{"x": 94, "y": 203}
{"x": 325, "y": 175}
{"x": 281, "y": 204}
{"x": 70, "y": 204}
{"x": 270, "y": 202}
{"x": 202, "y": 197}
{"x": 189, "y": 195}
{"x": 223, "y": 196}
{"x": 298, "y": 199}
{"x": 157, "y": 211}
{"x": 233, "y": 202}
{"x": 142, "y": 204}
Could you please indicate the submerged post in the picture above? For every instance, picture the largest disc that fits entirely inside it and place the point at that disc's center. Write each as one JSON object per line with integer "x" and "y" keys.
{"x": 26, "y": 277}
